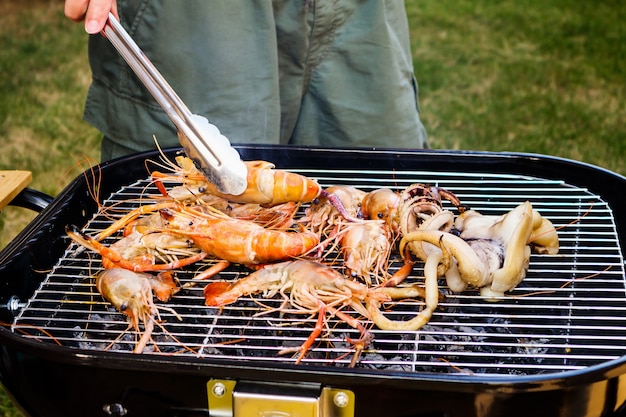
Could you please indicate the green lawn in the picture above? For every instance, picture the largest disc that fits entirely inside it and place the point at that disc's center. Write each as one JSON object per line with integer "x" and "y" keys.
{"x": 43, "y": 81}
{"x": 540, "y": 76}
{"x": 530, "y": 76}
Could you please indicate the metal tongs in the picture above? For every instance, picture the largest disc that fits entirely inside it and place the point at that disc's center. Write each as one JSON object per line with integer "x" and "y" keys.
{"x": 210, "y": 151}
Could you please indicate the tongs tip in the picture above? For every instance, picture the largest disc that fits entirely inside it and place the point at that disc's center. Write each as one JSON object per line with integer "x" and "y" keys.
{"x": 213, "y": 154}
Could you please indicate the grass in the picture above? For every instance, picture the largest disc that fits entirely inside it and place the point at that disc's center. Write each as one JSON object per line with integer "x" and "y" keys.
{"x": 528, "y": 76}
{"x": 43, "y": 81}
{"x": 540, "y": 76}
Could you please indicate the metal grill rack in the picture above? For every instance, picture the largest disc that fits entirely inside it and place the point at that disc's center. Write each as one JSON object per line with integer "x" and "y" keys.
{"x": 569, "y": 312}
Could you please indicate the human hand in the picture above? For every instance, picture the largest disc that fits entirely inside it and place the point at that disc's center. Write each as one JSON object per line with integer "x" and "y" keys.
{"x": 94, "y": 12}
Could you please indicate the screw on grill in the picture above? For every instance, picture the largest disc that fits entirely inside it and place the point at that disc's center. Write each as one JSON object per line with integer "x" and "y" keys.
{"x": 219, "y": 389}
{"x": 13, "y": 304}
{"x": 115, "y": 409}
{"x": 341, "y": 399}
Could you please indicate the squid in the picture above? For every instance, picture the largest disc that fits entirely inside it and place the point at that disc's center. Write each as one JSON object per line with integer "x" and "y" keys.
{"x": 490, "y": 253}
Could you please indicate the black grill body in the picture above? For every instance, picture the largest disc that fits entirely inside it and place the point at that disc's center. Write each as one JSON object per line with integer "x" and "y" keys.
{"x": 50, "y": 380}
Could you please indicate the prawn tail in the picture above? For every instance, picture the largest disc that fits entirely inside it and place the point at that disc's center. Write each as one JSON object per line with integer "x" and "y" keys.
{"x": 279, "y": 245}
{"x": 289, "y": 186}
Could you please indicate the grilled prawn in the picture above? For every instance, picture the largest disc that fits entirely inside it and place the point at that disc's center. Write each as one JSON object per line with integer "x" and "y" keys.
{"x": 190, "y": 233}
{"x": 366, "y": 248}
{"x": 266, "y": 185}
{"x": 382, "y": 204}
{"x": 310, "y": 288}
{"x": 131, "y": 293}
{"x": 235, "y": 240}
{"x": 315, "y": 288}
{"x": 337, "y": 205}
{"x": 141, "y": 252}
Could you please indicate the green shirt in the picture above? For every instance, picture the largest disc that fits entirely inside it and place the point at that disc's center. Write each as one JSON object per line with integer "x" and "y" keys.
{"x": 334, "y": 73}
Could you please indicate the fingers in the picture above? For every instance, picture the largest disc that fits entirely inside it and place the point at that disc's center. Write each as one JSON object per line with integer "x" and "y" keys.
{"x": 75, "y": 9}
{"x": 93, "y": 12}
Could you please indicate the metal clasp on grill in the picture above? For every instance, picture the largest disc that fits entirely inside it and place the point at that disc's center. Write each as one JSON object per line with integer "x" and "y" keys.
{"x": 229, "y": 398}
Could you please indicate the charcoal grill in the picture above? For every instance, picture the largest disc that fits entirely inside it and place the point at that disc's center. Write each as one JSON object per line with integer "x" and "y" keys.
{"x": 555, "y": 346}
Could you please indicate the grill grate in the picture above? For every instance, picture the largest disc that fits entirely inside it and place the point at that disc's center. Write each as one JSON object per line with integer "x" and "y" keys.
{"x": 569, "y": 313}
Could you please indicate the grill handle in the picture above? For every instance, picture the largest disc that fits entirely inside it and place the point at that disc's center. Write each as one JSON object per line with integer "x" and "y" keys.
{"x": 31, "y": 199}
{"x": 14, "y": 191}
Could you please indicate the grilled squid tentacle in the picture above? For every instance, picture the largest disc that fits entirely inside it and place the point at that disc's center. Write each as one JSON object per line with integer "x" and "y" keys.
{"x": 431, "y": 298}
{"x": 469, "y": 265}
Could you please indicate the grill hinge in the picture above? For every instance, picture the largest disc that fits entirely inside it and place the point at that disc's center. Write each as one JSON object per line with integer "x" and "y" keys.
{"x": 229, "y": 398}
